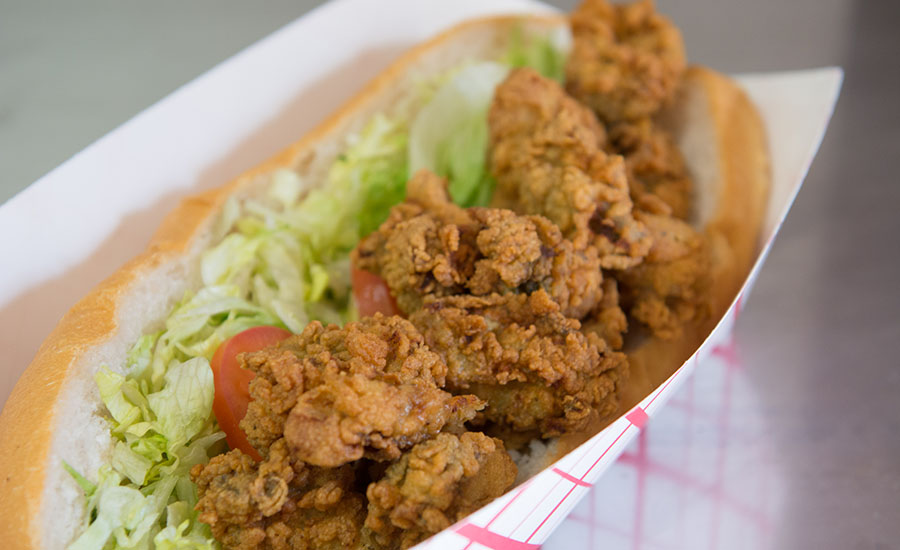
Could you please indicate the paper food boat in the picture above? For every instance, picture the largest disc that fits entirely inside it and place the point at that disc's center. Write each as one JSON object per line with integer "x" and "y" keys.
{"x": 236, "y": 115}
{"x": 704, "y": 473}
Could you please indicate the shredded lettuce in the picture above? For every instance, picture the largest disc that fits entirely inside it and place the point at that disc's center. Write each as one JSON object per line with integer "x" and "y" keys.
{"x": 545, "y": 54}
{"x": 362, "y": 186}
{"x": 449, "y": 135}
{"x": 159, "y": 436}
{"x": 281, "y": 259}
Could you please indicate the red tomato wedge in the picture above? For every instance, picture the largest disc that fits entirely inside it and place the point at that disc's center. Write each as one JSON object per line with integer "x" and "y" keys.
{"x": 372, "y": 294}
{"x": 232, "y": 382}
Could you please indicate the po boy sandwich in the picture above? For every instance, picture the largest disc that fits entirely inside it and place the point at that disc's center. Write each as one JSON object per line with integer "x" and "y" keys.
{"x": 506, "y": 239}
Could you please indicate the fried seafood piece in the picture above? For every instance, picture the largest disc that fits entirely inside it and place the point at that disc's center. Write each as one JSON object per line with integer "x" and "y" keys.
{"x": 547, "y": 158}
{"x": 672, "y": 286}
{"x": 531, "y": 364}
{"x": 336, "y": 394}
{"x": 429, "y": 247}
{"x": 607, "y": 320}
{"x": 626, "y": 60}
{"x": 278, "y": 504}
{"x": 655, "y": 166}
{"x": 435, "y": 484}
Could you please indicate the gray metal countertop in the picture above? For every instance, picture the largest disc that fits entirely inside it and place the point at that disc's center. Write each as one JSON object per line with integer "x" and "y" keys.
{"x": 820, "y": 339}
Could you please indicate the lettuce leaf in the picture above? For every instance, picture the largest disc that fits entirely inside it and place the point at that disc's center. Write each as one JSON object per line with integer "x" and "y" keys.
{"x": 545, "y": 54}
{"x": 184, "y": 404}
{"x": 449, "y": 135}
{"x": 167, "y": 433}
{"x": 159, "y": 436}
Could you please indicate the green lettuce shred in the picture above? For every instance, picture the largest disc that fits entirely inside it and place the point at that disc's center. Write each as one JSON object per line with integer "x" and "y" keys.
{"x": 449, "y": 135}
{"x": 545, "y": 54}
{"x": 281, "y": 260}
{"x": 159, "y": 436}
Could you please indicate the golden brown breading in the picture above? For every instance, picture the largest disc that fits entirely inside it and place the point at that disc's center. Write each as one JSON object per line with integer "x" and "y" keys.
{"x": 671, "y": 286}
{"x": 430, "y": 247}
{"x": 348, "y": 416}
{"x": 425, "y": 247}
{"x": 626, "y": 60}
{"x": 607, "y": 320}
{"x": 655, "y": 166}
{"x": 278, "y": 504}
{"x": 435, "y": 484}
{"x": 547, "y": 158}
{"x": 336, "y": 394}
{"x": 531, "y": 364}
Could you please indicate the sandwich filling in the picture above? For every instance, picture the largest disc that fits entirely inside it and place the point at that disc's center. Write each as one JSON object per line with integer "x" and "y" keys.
{"x": 523, "y": 218}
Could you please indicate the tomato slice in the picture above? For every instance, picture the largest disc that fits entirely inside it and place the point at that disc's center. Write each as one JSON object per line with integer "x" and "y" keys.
{"x": 372, "y": 294}
{"x": 232, "y": 382}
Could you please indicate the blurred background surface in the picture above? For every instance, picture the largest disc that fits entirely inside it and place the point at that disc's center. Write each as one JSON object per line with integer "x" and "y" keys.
{"x": 819, "y": 343}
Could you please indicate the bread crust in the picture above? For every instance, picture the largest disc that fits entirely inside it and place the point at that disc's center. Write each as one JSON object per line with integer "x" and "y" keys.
{"x": 27, "y": 423}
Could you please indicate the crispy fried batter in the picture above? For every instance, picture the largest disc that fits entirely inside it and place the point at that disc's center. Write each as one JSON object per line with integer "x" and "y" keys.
{"x": 532, "y": 365}
{"x": 547, "y": 158}
{"x": 435, "y": 484}
{"x": 370, "y": 389}
{"x": 430, "y": 247}
{"x": 347, "y": 417}
{"x": 671, "y": 286}
{"x": 607, "y": 320}
{"x": 655, "y": 166}
{"x": 626, "y": 60}
{"x": 278, "y": 504}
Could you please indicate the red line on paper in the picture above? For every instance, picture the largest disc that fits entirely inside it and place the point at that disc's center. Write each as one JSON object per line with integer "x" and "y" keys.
{"x": 598, "y": 526}
{"x": 680, "y": 404}
{"x": 641, "y": 467}
{"x": 611, "y": 445}
{"x": 558, "y": 504}
{"x": 644, "y": 409}
{"x": 573, "y": 479}
{"x": 618, "y": 531}
{"x": 677, "y": 476}
{"x": 729, "y": 354}
{"x": 508, "y": 503}
{"x": 550, "y": 515}
{"x": 638, "y": 417}
{"x": 492, "y": 540}
{"x": 531, "y": 511}
{"x": 688, "y": 440}
{"x": 522, "y": 489}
